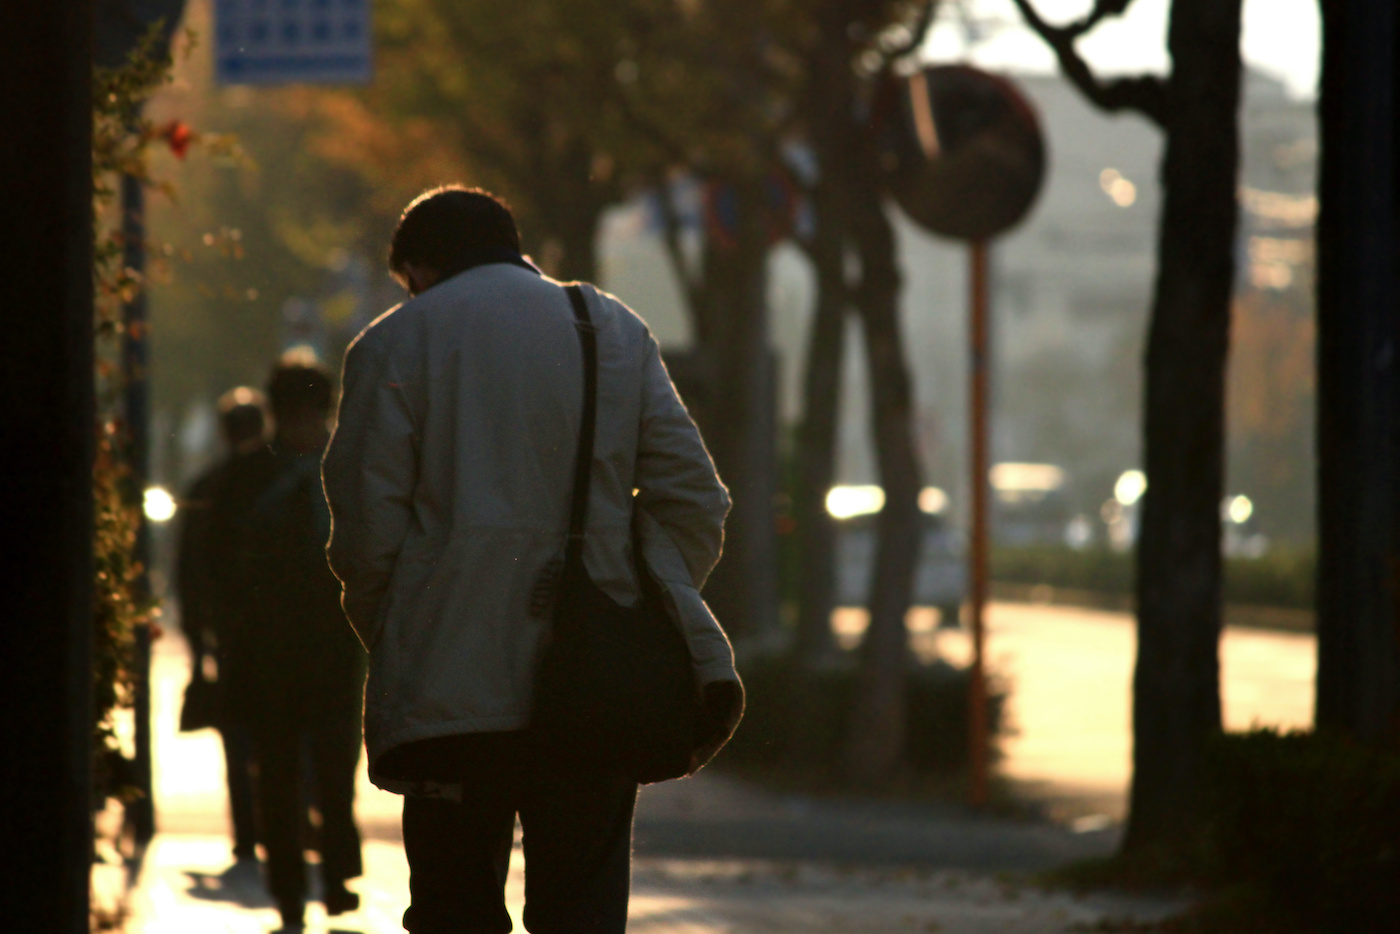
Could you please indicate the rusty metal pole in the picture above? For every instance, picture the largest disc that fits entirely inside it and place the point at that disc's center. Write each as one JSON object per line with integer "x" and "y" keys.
{"x": 980, "y": 537}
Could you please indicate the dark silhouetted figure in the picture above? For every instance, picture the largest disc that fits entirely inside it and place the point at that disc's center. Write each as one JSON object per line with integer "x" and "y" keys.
{"x": 450, "y": 479}
{"x": 205, "y": 618}
{"x": 299, "y": 668}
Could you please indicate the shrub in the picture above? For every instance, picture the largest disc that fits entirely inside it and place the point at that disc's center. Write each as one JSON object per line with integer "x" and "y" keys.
{"x": 795, "y": 722}
{"x": 1283, "y": 577}
{"x": 1096, "y": 569}
{"x": 1311, "y": 823}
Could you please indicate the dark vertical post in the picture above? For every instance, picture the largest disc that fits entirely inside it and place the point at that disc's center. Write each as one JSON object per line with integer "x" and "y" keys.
{"x": 1176, "y": 679}
{"x": 743, "y": 589}
{"x": 1358, "y": 303}
{"x": 980, "y": 537}
{"x": 878, "y": 726}
{"x": 135, "y": 371}
{"x": 829, "y": 104}
{"x": 46, "y": 436}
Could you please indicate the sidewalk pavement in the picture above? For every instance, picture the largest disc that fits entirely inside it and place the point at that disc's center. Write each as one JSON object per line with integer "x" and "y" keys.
{"x": 713, "y": 855}
{"x": 185, "y": 889}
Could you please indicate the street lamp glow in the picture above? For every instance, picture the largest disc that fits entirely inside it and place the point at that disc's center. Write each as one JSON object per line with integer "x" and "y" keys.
{"x": 1010, "y": 477}
{"x": 932, "y": 500}
{"x": 1130, "y": 487}
{"x": 158, "y": 504}
{"x": 1240, "y": 509}
{"x": 1118, "y": 188}
{"x": 847, "y": 502}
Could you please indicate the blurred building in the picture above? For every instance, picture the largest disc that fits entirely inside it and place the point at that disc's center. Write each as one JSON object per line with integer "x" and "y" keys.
{"x": 1071, "y": 294}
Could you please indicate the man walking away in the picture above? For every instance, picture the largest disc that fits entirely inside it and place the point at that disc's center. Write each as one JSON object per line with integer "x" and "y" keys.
{"x": 204, "y": 618}
{"x": 449, "y": 479}
{"x": 301, "y": 664}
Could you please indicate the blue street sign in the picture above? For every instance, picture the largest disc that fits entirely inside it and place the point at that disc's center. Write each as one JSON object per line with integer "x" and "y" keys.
{"x": 292, "y": 41}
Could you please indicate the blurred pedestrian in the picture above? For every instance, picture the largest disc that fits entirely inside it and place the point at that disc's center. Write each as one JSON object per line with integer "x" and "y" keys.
{"x": 204, "y": 618}
{"x": 450, "y": 479}
{"x": 300, "y": 664}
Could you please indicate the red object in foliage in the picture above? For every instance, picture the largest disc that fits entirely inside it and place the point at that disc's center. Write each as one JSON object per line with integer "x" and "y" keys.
{"x": 178, "y": 136}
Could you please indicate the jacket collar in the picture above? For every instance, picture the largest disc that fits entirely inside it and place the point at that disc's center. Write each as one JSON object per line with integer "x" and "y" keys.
{"x": 490, "y": 255}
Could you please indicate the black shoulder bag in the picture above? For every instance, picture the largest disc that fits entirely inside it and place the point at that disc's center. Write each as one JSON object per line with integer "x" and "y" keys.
{"x": 614, "y": 690}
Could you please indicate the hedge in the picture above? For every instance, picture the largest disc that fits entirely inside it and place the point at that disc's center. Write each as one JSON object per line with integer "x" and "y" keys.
{"x": 795, "y": 722}
{"x": 1310, "y": 824}
{"x": 1281, "y": 578}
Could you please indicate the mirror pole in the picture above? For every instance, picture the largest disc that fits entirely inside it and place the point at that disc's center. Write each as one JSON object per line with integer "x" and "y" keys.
{"x": 980, "y": 537}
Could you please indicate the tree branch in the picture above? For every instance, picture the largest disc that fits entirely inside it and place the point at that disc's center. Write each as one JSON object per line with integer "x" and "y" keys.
{"x": 670, "y": 235}
{"x": 1146, "y": 94}
{"x": 1102, "y": 9}
{"x": 918, "y": 33}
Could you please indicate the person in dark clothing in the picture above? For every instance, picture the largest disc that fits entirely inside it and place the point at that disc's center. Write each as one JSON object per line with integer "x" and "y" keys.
{"x": 301, "y": 665}
{"x": 205, "y": 619}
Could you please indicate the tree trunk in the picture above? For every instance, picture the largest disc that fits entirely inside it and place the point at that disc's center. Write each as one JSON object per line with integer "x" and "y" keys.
{"x": 46, "y": 504}
{"x": 829, "y": 106}
{"x": 567, "y": 203}
{"x": 1176, "y": 689}
{"x": 743, "y": 589}
{"x": 1358, "y": 304}
{"x": 876, "y": 742}
{"x": 817, "y": 454}
{"x": 576, "y": 236}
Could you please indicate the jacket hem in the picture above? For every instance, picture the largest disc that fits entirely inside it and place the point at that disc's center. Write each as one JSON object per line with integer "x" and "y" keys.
{"x": 496, "y": 724}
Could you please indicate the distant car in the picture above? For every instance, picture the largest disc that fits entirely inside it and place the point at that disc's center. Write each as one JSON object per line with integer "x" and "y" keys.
{"x": 1029, "y": 506}
{"x": 940, "y": 579}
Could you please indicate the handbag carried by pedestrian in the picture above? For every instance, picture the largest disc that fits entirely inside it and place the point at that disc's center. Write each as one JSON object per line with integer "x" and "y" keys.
{"x": 615, "y": 690}
{"x": 199, "y": 709}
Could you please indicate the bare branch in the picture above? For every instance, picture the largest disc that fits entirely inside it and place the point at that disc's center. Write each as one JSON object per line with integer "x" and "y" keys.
{"x": 671, "y": 236}
{"x": 1146, "y": 94}
{"x": 919, "y": 32}
{"x": 785, "y": 170}
{"x": 1102, "y": 9}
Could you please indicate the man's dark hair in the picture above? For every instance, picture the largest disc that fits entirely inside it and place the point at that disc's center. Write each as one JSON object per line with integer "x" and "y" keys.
{"x": 298, "y": 383}
{"x": 448, "y": 229}
{"x": 241, "y": 414}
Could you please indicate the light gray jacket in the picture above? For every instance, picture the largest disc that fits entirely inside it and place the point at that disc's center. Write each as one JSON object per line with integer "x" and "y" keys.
{"x": 449, "y": 477}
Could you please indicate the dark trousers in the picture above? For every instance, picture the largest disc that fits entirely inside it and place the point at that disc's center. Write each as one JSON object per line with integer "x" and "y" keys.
{"x": 577, "y": 837}
{"x": 334, "y": 746}
{"x": 238, "y": 766}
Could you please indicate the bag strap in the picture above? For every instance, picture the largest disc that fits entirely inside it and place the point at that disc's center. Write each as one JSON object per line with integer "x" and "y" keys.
{"x": 583, "y": 460}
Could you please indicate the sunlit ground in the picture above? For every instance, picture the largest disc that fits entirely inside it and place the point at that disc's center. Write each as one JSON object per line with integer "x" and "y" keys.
{"x": 1069, "y": 672}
